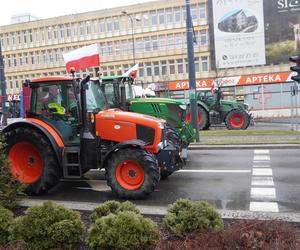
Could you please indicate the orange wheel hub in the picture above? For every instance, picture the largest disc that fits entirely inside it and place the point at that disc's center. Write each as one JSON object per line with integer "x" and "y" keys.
{"x": 130, "y": 174}
{"x": 26, "y": 162}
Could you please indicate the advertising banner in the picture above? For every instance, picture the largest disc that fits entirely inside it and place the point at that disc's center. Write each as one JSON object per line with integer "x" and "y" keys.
{"x": 268, "y": 78}
{"x": 239, "y": 33}
{"x": 282, "y": 30}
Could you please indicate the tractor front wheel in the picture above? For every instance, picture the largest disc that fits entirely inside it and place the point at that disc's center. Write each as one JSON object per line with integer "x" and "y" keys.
{"x": 132, "y": 173}
{"x": 203, "y": 121}
{"x": 33, "y": 161}
{"x": 237, "y": 119}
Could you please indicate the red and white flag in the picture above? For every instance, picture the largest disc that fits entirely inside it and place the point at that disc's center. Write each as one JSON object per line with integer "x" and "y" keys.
{"x": 132, "y": 71}
{"x": 82, "y": 58}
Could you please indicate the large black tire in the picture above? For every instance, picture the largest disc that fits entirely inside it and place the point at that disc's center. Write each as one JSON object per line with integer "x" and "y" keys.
{"x": 49, "y": 174}
{"x": 237, "y": 119}
{"x": 147, "y": 166}
{"x": 173, "y": 136}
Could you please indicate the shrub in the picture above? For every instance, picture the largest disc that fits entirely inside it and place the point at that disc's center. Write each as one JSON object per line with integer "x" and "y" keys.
{"x": 10, "y": 188}
{"x": 124, "y": 230}
{"x": 186, "y": 216}
{"x": 6, "y": 219}
{"x": 114, "y": 207}
{"x": 47, "y": 226}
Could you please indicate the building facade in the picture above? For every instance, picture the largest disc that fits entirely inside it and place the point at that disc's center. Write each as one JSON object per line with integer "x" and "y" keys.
{"x": 33, "y": 49}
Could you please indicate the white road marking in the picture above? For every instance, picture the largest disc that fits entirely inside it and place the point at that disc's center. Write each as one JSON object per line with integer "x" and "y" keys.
{"x": 211, "y": 171}
{"x": 261, "y": 158}
{"x": 262, "y": 172}
{"x": 262, "y": 192}
{"x": 263, "y": 165}
{"x": 262, "y": 181}
{"x": 261, "y": 151}
{"x": 264, "y": 206}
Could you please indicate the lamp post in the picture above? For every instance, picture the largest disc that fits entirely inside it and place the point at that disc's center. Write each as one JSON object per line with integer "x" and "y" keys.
{"x": 132, "y": 33}
{"x": 3, "y": 88}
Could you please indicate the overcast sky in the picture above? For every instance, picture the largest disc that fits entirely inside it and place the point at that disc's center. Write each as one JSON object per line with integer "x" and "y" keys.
{"x": 51, "y": 8}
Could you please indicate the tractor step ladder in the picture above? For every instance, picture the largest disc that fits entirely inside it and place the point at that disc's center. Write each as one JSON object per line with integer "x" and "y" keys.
{"x": 71, "y": 162}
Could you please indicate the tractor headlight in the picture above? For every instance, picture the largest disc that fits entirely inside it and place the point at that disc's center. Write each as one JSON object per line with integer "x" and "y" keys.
{"x": 183, "y": 106}
{"x": 161, "y": 125}
{"x": 246, "y": 106}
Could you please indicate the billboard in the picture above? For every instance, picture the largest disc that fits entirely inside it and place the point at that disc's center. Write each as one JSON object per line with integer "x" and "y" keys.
{"x": 239, "y": 33}
{"x": 282, "y": 30}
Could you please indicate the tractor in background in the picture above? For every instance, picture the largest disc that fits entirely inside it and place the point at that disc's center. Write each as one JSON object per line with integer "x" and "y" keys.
{"x": 120, "y": 93}
{"x": 212, "y": 109}
{"x": 69, "y": 130}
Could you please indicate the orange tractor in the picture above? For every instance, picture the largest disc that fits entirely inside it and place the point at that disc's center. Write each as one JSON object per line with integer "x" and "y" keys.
{"x": 68, "y": 130}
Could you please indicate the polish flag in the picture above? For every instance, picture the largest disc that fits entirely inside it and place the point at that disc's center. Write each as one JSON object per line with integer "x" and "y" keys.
{"x": 132, "y": 71}
{"x": 82, "y": 58}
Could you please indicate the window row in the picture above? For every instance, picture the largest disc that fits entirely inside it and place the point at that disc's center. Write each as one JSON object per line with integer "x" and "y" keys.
{"x": 97, "y": 26}
{"x": 160, "y": 68}
{"x": 123, "y": 47}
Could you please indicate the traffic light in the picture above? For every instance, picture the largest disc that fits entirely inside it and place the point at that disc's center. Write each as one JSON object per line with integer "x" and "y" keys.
{"x": 296, "y": 68}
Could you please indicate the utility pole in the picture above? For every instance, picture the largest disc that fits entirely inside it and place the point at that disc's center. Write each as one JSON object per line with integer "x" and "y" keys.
{"x": 192, "y": 74}
{"x": 3, "y": 89}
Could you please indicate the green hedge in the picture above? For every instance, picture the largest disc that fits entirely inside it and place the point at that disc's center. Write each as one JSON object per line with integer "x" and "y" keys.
{"x": 6, "y": 219}
{"x": 48, "y": 226}
{"x": 10, "y": 189}
{"x": 114, "y": 207}
{"x": 124, "y": 230}
{"x": 186, "y": 216}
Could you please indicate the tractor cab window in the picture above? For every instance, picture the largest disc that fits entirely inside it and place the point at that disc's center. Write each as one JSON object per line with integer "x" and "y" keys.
{"x": 110, "y": 94}
{"x": 56, "y": 104}
{"x": 95, "y": 98}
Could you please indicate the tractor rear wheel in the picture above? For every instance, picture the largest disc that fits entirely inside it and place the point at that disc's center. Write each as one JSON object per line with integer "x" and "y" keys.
{"x": 237, "y": 119}
{"x": 33, "y": 161}
{"x": 203, "y": 122}
{"x": 132, "y": 173}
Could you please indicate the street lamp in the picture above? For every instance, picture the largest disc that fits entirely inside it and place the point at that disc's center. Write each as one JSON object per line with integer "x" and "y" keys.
{"x": 132, "y": 32}
{"x": 3, "y": 88}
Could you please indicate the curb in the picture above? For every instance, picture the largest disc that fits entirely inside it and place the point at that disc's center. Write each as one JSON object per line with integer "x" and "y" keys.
{"x": 244, "y": 146}
{"x": 162, "y": 210}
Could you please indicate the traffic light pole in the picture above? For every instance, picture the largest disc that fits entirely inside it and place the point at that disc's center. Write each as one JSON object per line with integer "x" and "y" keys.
{"x": 3, "y": 89}
{"x": 192, "y": 74}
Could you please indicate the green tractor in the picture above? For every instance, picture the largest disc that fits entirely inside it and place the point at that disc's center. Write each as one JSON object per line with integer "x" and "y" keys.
{"x": 120, "y": 93}
{"x": 213, "y": 110}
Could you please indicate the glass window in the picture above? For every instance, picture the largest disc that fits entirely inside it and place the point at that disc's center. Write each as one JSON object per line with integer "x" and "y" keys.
{"x": 32, "y": 58}
{"x": 148, "y": 69}
{"x": 103, "y": 49}
{"x": 13, "y": 38}
{"x": 141, "y": 70}
{"x": 202, "y": 11}
{"x": 147, "y": 44}
{"x": 204, "y": 62}
{"x": 179, "y": 66}
{"x": 161, "y": 17}
{"x": 117, "y": 48}
{"x": 177, "y": 14}
{"x": 179, "y": 41}
{"x": 25, "y": 36}
{"x": 110, "y": 48}
{"x": 162, "y": 42}
{"x": 61, "y": 31}
{"x": 163, "y": 68}
{"x": 170, "y": 41}
{"x": 172, "y": 66}
{"x": 153, "y": 18}
{"x": 68, "y": 30}
{"x": 156, "y": 68}
{"x": 124, "y": 47}
{"x": 19, "y": 37}
{"x": 81, "y": 28}
{"x": 145, "y": 19}
{"x": 154, "y": 42}
{"x": 102, "y": 25}
{"x": 139, "y": 45}
{"x": 55, "y": 33}
{"x": 194, "y": 13}
{"x": 197, "y": 64}
{"x": 203, "y": 38}
{"x": 108, "y": 24}
{"x": 169, "y": 14}
{"x": 116, "y": 23}
{"x": 88, "y": 27}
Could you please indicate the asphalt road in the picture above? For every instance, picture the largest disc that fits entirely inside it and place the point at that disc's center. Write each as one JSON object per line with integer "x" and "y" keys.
{"x": 255, "y": 180}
